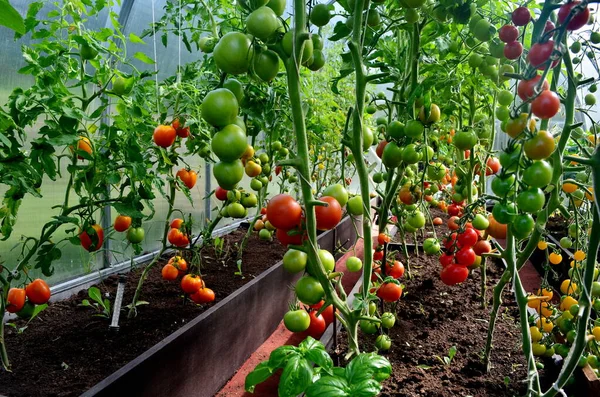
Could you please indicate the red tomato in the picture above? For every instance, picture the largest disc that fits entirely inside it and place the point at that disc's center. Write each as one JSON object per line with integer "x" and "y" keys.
{"x": 177, "y": 238}
{"x": 454, "y": 274}
{"x": 183, "y": 132}
{"x": 482, "y": 247}
{"x": 546, "y": 105}
{"x": 188, "y": 177}
{"x": 549, "y": 26}
{"x": 508, "y": 33}
{"x": 204, "y": 295}
{"x": 378, "y": 255}
{"x": 94, "y": 242}
{"x": 389, "y": 292}
{"x": 327, "y": 313}
{"x": 452, "y": 225}
{"x": 221, "y": 193}
{"x": 395, "y": 269}
{"x": 525, "y": 87}
{"x": 122, "y": 223}
{"x": 176, "y": 223}
{"x": 16, "y": 300}
{"x": 38, "y": 292}
{"x": 578, "y": 20}
{"x": 468, "y": 238}
{"x": 263, "y": 211}
{"x": 327, "y": 217}
{"x": 446, "y": 259}
{"x": 493, "y": 166}
{"x": 521, "y": 16}
{"x": 540, "y": 53}
{"x": 453, "y": 210}
{"x": 285, "y": 239}
{"x": 450, "y": 241}
{"x": 513, "y": 50}
{"x": 317, "y": 325}
{"x": 169, "y": 272}
{"x": 383, "y": 238}
{"x": 190, "y": 283}
{"x": 278, "y": 170}
{"x": 164, "y": 135}
{"x": 284, "y": 212}
{"x": 465, "y": 256}
{"x": 437, "y": 221}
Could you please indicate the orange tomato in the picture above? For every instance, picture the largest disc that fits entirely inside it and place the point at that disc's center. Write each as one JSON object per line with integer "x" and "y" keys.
{"x": 16, "y": 300}
{"x": 122, "y": 223}
{"x": 496, "y": 230}
{"x": 164, "y": 135}
{"x": 38, "y": 292}
{"x": 169, "y": 272}
{"x": 437, "y": 221}
{"x": 188, "y": 177}
{"x": 204, "y": 295}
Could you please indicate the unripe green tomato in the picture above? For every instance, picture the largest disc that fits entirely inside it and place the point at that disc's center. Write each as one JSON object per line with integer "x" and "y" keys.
{"x": 255, "y": 184}
{"x": 590, "y": 100}
{"x": 355, "y": 206}
{"x": 295, "y": 261}
{"x": 369, "y": 327}
{"x": 296, "y": 320}
{"x": 372, "y": 308}
{"x": 353, "y": 264}
{"x": 234, "y": 195}
{"x": 264, "y": 234}
{"x": 383, "y": 342}
{"x": 566, "y": 242}
{"x": 388, "y": 320}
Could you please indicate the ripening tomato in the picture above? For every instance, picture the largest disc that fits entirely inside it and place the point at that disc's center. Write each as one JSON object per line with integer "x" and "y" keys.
{"x": 380, "y": 147}
{"x": 541, "y": 146}
{"x": 169, "y": 272}
{"x": 164, "y": 135}
{"x": 482, "y": 247}
{"x": 452, "y": 225}
{"x": 177, "y": 238}
{"x": 38, "y": 292}
{"x": 179, "y": 263}
{"x": 493, "y": 166}
{"x": 437, "y": 221}
{"x": 204, "y": 295}
{"x": 546, "y": 105}
{"x": 83, "y": 144}
{"x": 389, "y": 292}
{"x": 395, "y": 269}
{"x": 122, "y": 223}
{"x": 328, "y": 217}
{"x": 188, "y": 177}
{"x": 190, "y": 283}
{"x": 284, "y": 212}
{"x": 454, "y": 274}
{"x": 377, "y": 255}
{"x": 496, "y": 229}
{"x": 525, "y": 88}
{"x": 176, "y": 223}
{"x": 94, "y": 241}
{"x": 15, "y": 300}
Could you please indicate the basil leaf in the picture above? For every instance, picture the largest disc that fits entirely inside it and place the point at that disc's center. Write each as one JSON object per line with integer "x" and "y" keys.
{"x": 367, "y": 388}
{"x": 296, "y": 377}
{"x": 279, "y": 356}
{"x": 261, "y": 373}
{"x": 328, "y": 386}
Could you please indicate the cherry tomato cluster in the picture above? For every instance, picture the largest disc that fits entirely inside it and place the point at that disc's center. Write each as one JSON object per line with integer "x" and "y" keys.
{"x": 178, "y": 234}
{"x": 463, "y": 249}
{"x": 307, "y": 320}
{"x": 37, "y": 292}
{"x": 191, "y": 284}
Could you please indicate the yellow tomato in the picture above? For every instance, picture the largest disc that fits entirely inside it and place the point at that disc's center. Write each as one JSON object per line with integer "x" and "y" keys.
{"x": 568, "y": 287}
{"x": 579, "y": 255}
{"x": 546, "y": 309}
{"x": 569, "y": 187}
{"x": 538, "y": 349}
{"x": 596, "y": 333}
{"x": 588, "y": 195}
{"x": 545, "y": 324}
{"x": 536, "y": 335}
{"x": 567, "y": 302}
{"x": 542, "y": 245}
{"x": 555, "y": 258}
{"x": 545, "y": 292}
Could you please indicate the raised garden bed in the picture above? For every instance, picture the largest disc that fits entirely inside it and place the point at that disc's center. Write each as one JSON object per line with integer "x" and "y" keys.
{"x": 165, "y": 350}
{"x": 444, "y": 316}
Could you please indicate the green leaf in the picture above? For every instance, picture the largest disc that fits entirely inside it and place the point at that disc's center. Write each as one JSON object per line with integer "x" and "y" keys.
{"x": 296, "y": 377}
{"x": 328, "y": 386}
{"x": 136, "y": 39}
{"x": 95, "y": 294}
{"x": 320, "y": 357}
{"x": 368, "y": 366}
{"x": 452, "y": 352}
{"x": 85, "y": 302}
{"x": 424, "y": 366}
{"x": 367, "y": 388}
{"x": 144, "y": 58}
{"x": 279, "y": 356}
{"x": 261, "y": 373}
{"x": 11, "y": 18}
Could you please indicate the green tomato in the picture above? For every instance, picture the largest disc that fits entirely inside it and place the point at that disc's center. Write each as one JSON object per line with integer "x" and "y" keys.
{"x": 531, "y": 200}
{"x": 265, "y": 234}
{"x": 220, "y": 108}
{"x": 414, "y": 129}
{"x": 504, "y": 213}
{"x": 236, "y": 88}
{"x": 295, "y": 261}
{"x": 522, "y": 226}
{"x": 234, "y": 195}
{"x": 590, "y": 99}
{"x": 338, "y": 192}
{"x": 383, "y": 343}
{"x": 355, "y": 206}
{"x": 392, "y": 155}
{"x": 255, "y": 184}
{"x": 309, "y": 290}
{"x": 296, "y": 320}
{"x": 327, "y": 260}
{"x": 228, "y": 174}
{"x": 395, "y": 129}
{"x": 480, "y": 222}
{"x": 372, "y": 308}
{"x": 503, "y": 186}
{"x": 369, "y": 327}
{"x": 538, "y": 174}
{"x": 353, "y": 264}
{"x": 233, "y": 53}
{"x": 505, "y": 97}
{"x": 236, "y": 210}
{"x": 135, "y": 235}
{"x": 388, "y": 320}
{"x": 431, "y": 246}
{"x": 416, "y": 219}
{"x": 566, "y": 242}
{"x": 465, "y": 140}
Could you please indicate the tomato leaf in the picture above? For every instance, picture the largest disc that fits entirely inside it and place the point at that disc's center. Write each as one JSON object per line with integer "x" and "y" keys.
{"x": 136, "y": 39}
{"x": 329, "y": 386}
{"x": 144, "y": 58}
{"x": 296, "y": 377}
{"x": 11, "y": 18}
{"x": 340, "y": 31}
{"x": 261, "y": 373}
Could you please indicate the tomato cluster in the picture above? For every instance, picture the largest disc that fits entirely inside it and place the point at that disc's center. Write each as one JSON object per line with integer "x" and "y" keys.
{"x": 36, "y": 293}
{"x": 191, "y": 284}
{"x": 178, "y": 234}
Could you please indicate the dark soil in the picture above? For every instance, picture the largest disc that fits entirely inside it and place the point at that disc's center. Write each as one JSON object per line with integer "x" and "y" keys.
{"x": 433, "y": 317}
{"x": 66, "y": 350}
{"x": 557, "y": 226}
{"x": 426, "y": 232}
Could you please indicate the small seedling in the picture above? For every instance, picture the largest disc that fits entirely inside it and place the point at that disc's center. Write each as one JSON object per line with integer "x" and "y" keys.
{"x": 448, "y": 359}
{"x": 102, "y": 306}
{"x": 239, "y": 268}
{"x": 36, "y": 310}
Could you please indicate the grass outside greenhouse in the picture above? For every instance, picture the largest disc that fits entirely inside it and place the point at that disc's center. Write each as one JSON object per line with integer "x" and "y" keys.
{"x": 299, "y": 197}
